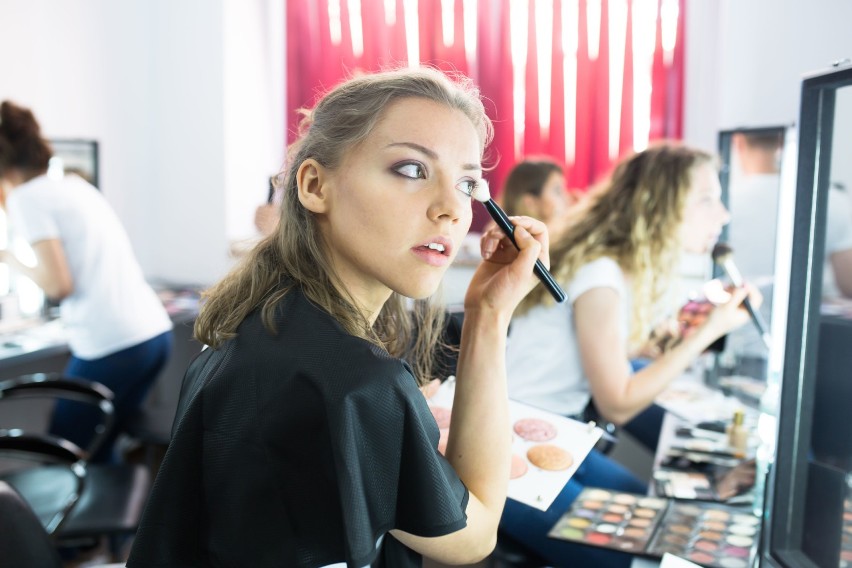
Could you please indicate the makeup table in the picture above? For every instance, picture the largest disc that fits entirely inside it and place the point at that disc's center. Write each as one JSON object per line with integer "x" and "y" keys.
{"x": 689, "y": 401}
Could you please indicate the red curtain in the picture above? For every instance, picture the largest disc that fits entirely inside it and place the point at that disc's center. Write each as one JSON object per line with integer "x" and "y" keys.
{"x": 329, "y": 40}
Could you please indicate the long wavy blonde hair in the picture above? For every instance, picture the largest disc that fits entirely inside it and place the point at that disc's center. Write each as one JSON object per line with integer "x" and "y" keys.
{"x": 295, "y": 255}
{"x": 635, "y": 218}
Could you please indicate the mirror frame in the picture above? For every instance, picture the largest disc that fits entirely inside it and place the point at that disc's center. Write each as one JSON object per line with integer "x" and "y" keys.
{"x": 783, "y": 518}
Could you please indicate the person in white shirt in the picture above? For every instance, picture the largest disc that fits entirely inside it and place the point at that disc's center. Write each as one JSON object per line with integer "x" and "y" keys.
{"x": 615, "y": 263}
{"x": 118, "y": 331}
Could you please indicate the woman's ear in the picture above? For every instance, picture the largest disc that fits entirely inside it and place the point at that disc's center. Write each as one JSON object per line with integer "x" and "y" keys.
{"x": 311, "y": 178}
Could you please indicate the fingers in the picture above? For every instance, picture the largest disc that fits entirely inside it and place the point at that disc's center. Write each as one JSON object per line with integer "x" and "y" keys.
{"x": 494, "y": 240}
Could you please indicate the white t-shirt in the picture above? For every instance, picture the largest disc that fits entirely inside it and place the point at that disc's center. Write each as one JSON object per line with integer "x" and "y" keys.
{"x": 543, "y": 361}
{"x": 111, "y": 307}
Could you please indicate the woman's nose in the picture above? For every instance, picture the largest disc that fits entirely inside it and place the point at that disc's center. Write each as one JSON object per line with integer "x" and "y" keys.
{"x": 447, "y": 202}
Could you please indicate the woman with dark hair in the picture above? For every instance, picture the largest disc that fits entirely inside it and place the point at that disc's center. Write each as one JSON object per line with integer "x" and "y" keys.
{"x": 536, "y": 188}
{"x": 118, "y": 331}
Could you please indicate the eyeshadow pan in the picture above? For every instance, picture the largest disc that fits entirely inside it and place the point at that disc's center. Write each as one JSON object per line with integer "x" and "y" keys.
{"x": 737, "y": 551}
{"x": 706, "y": 546}
{"x": 652, "y": 503}
{"x": 612, "y": 518}
{"x": 597, "y": 494}
{"x": 702, "y": 557}
{"x": 572, "y": 533}
{"x": 717, "y": 515}
{"x": 634, "y": 533}
{"x": 585, "y": 513}
{"x": 733, "y": 563}
{"x": 679, "y": 529}
{"x": 710, "y": 535}
{"x": 606, "y": 528}
{"x": 637, "y": 522}
{"x": 645, "y": 513}
{"x": 738, "y": 540}
{"x": 715, "y": 526}
{"x": 618, "y": 509}
{"x": 598, "y": 538}
{"x": 592, "y": 504}
{"x": 746, "y": 520}
{"x": 578, "y": 523}
{"x": 624, "y": 499}
{"x": 742, "y": 530}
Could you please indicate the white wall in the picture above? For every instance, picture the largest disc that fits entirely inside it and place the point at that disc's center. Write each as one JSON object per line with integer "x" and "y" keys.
{"x": 186, "y": 98}
{"x": 188, "y": 135}
{"x": 746, "y": 59}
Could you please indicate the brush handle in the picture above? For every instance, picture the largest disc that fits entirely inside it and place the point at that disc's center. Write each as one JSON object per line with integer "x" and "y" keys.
{"x": 539, "y": 270}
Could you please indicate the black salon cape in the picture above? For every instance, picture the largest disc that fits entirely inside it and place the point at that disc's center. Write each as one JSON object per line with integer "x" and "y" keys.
{"x": 298, "y": 449}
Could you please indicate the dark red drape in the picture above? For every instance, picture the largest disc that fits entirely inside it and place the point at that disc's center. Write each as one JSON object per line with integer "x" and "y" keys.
{"x": 322, "y": 51}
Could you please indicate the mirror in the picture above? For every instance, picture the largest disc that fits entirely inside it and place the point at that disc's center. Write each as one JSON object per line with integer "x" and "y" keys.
{"x": 809, "y": 497}
{"x": 754, "y": 162}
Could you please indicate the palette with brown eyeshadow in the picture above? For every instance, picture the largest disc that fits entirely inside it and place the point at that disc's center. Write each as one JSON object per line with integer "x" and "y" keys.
{"x": 709, "y": 534}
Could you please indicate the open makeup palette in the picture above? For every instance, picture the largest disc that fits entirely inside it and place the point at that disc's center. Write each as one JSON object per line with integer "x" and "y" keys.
{"x": 546, "y": 448}
{"x": 846, "y": 537}
{"x": 708, "y": 534}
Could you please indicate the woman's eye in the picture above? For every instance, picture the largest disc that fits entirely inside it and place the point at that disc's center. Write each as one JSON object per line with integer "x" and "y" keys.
{"x": 411, "y": 170}
{"x": 467, "y": 187}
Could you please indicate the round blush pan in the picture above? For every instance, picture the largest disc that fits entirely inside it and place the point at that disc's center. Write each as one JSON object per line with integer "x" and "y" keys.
{"x": 535, "y": 429}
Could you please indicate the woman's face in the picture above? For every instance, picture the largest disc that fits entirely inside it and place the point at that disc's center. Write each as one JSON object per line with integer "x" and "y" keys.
{"x": 399, "y": 204}
{"x": 553, "y": 201}
{"x": 704, "y": 214}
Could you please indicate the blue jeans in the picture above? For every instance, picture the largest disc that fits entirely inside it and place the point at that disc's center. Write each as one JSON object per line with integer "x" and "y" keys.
{"x": 128, "y": 373}
{"x": 530, "y": 526}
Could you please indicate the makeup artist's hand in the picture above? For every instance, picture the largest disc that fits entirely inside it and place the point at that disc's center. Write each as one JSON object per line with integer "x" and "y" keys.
{"x": 506, "y": 274}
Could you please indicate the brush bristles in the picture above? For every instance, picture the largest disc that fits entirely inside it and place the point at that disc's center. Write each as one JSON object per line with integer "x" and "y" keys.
{"x": 721, "y": 251}
{"x": 482, "y": 193}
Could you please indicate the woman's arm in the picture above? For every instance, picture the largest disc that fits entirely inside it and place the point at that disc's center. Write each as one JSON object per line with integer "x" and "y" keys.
{"x": 51, "y": 272}
{"x": 479, "y": 447}
{"x": 618, "y": 395}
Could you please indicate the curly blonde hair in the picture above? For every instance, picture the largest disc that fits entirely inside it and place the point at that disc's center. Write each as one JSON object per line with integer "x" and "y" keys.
{"x": 295, "y": 254}
{"x": 635, "y": 219}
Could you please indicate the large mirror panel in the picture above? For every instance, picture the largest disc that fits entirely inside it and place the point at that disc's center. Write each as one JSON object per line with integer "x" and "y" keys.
{"x": 810, "y": 520}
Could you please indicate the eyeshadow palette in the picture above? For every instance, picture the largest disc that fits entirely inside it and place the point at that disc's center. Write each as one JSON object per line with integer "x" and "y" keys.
{"x": 546, "y": 448}
{"x": 708, "y": 534}
{"x": 846, "y": 535}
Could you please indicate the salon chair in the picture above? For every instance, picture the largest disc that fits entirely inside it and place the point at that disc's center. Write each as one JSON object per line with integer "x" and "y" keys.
{"x": 76, "y": 502}
{"x": 23, "y": 540}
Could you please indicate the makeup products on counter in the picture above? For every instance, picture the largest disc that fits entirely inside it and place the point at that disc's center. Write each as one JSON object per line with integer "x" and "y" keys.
{"x": 737, "y": 433}
{"x": 707, "y": 482}
{"x": 712, "y": 535}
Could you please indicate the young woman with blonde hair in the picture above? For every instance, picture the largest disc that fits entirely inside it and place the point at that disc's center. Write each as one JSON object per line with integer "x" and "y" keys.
{"x": 615, "y": 264}
{"x": 302, "y": 438}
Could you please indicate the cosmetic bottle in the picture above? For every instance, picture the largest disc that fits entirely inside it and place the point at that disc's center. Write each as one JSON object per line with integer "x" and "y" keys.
{"x": 737, "y": 433}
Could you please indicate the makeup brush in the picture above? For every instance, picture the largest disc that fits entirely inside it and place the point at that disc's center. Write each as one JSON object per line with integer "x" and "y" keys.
{"x": 723, "y": 255}
{"x": 483, "y": 195}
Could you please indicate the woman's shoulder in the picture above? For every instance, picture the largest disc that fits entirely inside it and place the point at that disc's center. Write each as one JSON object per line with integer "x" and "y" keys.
{"x": 309, "y": 339}
{"x": 602, "y": 272}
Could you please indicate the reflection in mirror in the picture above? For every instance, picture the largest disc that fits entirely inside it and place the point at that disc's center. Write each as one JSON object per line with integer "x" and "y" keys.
{"x": 751, "y": 176}
{"x": 809, "y": 499}
{"x": 837, "y": 268}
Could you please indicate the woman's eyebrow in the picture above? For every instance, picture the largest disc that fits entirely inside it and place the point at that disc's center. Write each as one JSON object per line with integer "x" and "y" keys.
{"x": 430, "y": 153}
